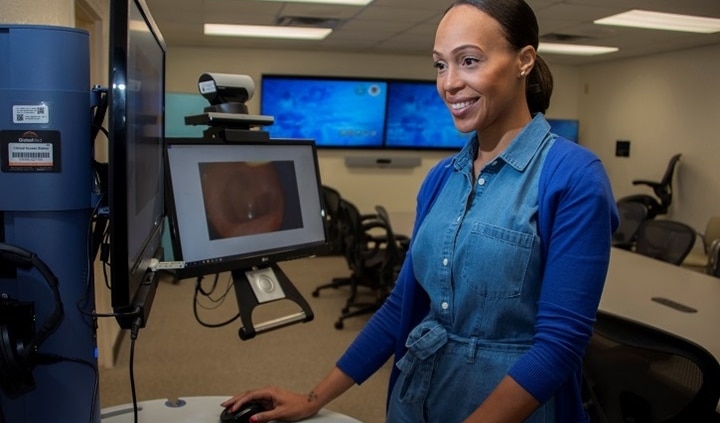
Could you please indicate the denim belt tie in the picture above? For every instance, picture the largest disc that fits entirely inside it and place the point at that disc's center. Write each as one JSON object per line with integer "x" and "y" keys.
{"x": 416, "y": 365}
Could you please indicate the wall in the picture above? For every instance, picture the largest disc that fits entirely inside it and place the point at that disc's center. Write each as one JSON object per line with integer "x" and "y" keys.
{"x": 366, "y": 187}
{"x": 664, "y": 104}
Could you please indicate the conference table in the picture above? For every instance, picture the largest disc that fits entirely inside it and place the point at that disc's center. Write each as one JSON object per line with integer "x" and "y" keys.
{"x": 200, "y": 409}
{"x": 674, "y": 299}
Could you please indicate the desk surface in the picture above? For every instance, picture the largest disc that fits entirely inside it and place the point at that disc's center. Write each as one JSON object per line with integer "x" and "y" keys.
{"x": 192, "y": 410}
{"x": 633, "y": 280}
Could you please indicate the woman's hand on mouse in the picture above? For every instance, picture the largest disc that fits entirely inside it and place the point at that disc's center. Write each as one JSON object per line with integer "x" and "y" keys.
{"x": 281, "y": 404}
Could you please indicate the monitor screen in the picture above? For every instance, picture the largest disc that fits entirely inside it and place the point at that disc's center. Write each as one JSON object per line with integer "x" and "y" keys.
{"x": 136, "y": 134}
{"x": 335, "y": 112}
{"x": 566, "y": 128}
{"x": 417, "y": 118}
{"x": 239, "y": 205}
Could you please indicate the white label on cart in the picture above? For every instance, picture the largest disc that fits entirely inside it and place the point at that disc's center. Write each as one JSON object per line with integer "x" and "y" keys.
{"x": 32, "y": 154}
{"x": 37, "y": 113}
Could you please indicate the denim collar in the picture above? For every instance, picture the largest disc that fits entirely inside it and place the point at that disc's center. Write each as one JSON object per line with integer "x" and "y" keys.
{"x": 520, "y": 151}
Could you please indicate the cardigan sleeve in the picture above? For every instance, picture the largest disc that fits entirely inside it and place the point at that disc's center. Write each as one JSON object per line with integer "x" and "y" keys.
{"x": 577, "y": 216}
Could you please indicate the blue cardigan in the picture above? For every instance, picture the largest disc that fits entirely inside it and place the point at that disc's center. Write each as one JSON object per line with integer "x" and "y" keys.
{"x": 577, "y": 217}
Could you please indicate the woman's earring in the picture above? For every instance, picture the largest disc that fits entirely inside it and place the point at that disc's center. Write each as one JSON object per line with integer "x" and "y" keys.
{"x": 522, "y": 74}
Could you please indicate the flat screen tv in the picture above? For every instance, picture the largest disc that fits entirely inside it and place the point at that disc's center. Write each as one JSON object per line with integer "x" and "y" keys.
{"x": 335, "y": 112}
{"x": 417, "y": 118}
{"x": 235, "y": 206}
{"x": 566, "y": 128}
{"x": 135, "y": 163}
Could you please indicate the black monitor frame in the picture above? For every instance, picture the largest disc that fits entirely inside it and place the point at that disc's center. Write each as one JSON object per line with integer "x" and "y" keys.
{"x": 136, "y": 204}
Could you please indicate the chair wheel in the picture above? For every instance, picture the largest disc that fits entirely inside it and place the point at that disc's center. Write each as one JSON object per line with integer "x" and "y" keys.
{"x": 339, "y": 324}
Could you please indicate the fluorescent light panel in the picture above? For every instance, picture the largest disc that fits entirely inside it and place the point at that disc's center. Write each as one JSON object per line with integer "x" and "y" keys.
{"x": 665, "y": 21}
{"x": 341, "y": 2}
{"x": 575, "y": 49}
{"x": 260, "y": 31}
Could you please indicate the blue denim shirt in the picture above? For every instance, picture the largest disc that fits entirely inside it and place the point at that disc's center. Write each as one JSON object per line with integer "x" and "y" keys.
{"x": 477, "y": 253}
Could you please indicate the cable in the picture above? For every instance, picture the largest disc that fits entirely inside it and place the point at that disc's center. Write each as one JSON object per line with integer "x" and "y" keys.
{"x": 219, "y": 301}
{"x": 135, "y": 329}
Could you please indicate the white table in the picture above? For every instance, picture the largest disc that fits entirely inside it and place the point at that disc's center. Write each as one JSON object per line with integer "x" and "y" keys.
{"x": 192, "y": 410}
{"x": 633, "y": 280}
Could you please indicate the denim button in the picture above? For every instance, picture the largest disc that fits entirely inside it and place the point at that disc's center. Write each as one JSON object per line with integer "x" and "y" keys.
{"x": 481, "y": 181}
{"x": 445, "y": 262}
{"x": 445, "y": 305}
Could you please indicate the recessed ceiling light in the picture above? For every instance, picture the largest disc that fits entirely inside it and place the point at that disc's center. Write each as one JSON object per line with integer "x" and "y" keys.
{"x": 260, "y": 31}
{"x": 341, "y": 2}
{"x": 575, "y": 49}
{"x": 665, "y": 21}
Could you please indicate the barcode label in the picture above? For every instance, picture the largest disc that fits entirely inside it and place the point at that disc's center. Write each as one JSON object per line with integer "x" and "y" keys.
{"x": 30, "y": 154}
{"x": 37, "y": 113}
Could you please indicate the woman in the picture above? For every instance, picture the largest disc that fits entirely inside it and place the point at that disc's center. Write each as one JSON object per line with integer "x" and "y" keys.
{"x": 494, "y": 306}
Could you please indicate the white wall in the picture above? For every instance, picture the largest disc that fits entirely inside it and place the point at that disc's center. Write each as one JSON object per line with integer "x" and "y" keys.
{"x": 664, "y": 104}
{"x": 366, "y": 187}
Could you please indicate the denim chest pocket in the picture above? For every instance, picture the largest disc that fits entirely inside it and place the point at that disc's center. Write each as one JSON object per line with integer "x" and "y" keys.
{"x": 494, "y": 260}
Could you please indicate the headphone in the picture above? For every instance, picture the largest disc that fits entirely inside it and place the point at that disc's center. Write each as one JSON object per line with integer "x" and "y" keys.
{"x": 17, "y": 348}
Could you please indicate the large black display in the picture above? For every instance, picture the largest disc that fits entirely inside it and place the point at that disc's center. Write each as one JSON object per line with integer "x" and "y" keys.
{"x": 242, "y": 205}
{"x": 136, "y": 132}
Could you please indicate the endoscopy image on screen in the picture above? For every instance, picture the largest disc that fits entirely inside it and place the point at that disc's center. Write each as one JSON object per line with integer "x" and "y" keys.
{"x": 247, "y": 198}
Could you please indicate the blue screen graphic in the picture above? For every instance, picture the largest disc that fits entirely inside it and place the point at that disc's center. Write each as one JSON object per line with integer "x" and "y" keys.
{"x": 334, "y": 113}
{"x": 418, "y": 118}
{"x": 566, "y": 128}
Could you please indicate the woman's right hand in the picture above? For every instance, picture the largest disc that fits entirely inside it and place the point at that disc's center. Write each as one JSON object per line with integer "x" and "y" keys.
{"x": 281, "y": 404}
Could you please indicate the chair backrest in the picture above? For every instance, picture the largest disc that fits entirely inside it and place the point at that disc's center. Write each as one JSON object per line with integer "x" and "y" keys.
{"x": 712, "y": 231}
{"x": 666, "y": 240}
{"x": 632, "y": 214}
{"x": 331, "y": 203}
{"x": 635, "y": 373}
{"x": 394, "y": 253}
{"x": 713, "y": 267}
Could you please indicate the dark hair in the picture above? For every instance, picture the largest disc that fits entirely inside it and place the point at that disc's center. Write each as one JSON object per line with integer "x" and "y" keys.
{"x": 519, "y": 26}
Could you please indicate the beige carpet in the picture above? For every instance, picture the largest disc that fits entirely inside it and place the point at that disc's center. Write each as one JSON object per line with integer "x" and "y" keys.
{"x": 175, "y": 356}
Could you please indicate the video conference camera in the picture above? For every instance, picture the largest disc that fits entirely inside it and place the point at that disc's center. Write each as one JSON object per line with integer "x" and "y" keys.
{"x": 227, "y": 93}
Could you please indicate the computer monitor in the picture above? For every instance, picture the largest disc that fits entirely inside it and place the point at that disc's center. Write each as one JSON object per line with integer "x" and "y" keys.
{"x": 242, "y": 205}
{"x": 135, "y": 163}
{"x": 418, "y": 119}
{"x": 335, "y": 112}
{"x": 566, "y": 128}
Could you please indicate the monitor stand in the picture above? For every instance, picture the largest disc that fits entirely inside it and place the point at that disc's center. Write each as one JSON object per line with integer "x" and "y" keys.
{"x": 263, "y": 285}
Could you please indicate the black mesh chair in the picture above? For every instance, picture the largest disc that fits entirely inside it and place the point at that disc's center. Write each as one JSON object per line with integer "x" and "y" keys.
{"x": 356, "y": 245}
{"x": 662, "y": 189}
{"x": 333, "y": 224}
{"x": 632, "y": 215}
{"x": 665, "y": 240}
{"x": 635, "y": 373}
{"x": 713, "y": 267}
{"x": 375, "y": 268}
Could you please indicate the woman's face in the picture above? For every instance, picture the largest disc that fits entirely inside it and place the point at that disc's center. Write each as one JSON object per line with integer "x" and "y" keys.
{"x": 478, "y": 72}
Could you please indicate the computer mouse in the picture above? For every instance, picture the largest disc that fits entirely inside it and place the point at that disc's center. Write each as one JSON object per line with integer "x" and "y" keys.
{"x": 242, "y": 414}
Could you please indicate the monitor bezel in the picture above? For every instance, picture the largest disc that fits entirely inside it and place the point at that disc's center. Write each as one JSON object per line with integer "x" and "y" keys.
{"x": 248, "y": 260}
{"x": 128, "y": 273}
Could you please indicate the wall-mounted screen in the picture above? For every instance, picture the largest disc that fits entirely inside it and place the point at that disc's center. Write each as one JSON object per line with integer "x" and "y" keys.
{"x": 417, "y": 118}
{"x": 566, "y": 128}
{"x": 238, "y": 205}
{"x": 344, "y": 113}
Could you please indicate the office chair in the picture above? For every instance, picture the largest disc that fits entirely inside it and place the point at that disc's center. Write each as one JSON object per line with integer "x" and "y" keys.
{"x": 701, "y": 259}
{"x": 636, "y": 373}
{"x": 663, "y": 191}
{"x": 632, "y": 215}
{"x": 348, "y": 221}
{"x": 333, "y": 224}
{"x": 713, "y": 267}
{"x": 665, "y": 240}
{"x": 376, "y": 269}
